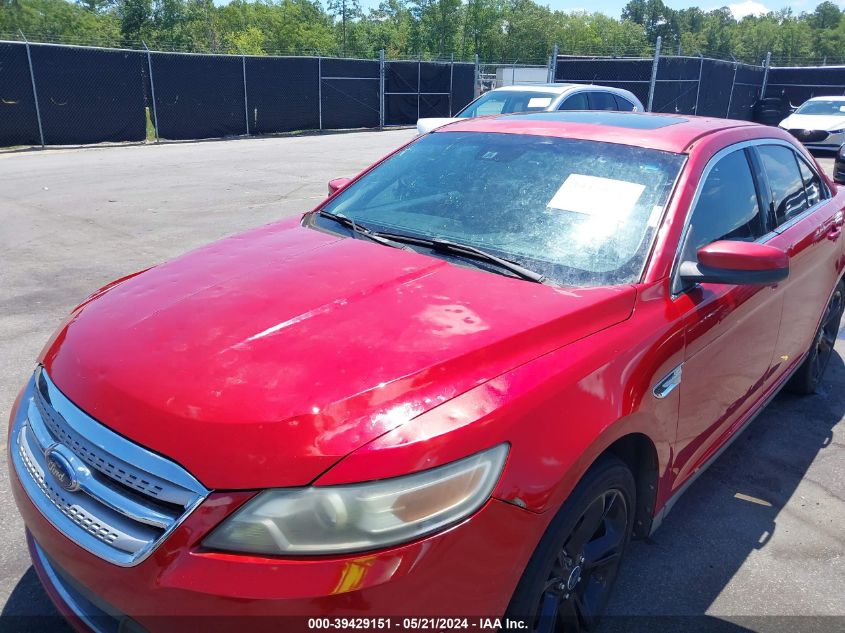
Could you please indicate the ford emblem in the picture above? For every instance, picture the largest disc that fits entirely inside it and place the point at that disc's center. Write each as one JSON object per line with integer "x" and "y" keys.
{"x": 61, "y": 468}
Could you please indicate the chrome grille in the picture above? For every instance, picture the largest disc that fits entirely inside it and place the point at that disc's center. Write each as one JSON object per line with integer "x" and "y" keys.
{"x": 111, "y": 496}
{"x": 75, "y": 514}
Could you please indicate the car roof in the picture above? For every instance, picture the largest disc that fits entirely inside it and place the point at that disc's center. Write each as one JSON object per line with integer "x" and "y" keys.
{"x": 668, "y": 132}
{"x": 828, "y": 98}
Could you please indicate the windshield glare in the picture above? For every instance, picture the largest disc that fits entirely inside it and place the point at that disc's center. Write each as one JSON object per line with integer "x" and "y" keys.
{"x": 822, "y": 107}
{"x": 583, "y": 213}
{"x": 506, "y": 102}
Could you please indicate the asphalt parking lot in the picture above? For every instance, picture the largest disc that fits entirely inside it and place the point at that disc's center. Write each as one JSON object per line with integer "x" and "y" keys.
{"x": 73, "y": 219}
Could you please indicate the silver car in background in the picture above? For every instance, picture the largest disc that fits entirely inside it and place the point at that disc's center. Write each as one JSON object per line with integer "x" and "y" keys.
{"x": 539, "y": 98}
{"x": 819, "y": 123}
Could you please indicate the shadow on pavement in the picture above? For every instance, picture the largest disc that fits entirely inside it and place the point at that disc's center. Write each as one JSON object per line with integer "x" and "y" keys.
{"x": 29, "y": 609}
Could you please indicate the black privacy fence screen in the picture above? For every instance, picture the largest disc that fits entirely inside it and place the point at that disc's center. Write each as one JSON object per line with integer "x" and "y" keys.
{"x": 53, "y": 94}
{"x": 69, "y": 95}
{"x": 702, "y": 86}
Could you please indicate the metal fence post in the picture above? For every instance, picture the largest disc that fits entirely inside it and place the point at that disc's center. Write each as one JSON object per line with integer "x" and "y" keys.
{"x": 381, "y": 89}
{"x": 451, "y": 78}
{"x": 766, "y": 66}
{"x": 246, "y": 103}
{"x": 419, "y": 78}
{"x": 698, "y": 89}
{"x": 513, "y": 72}
{"x": 320, "y": 91}
{"x": 477, "y": 88}
{"x": 34, "y": 91}
{"x": 654, "y": 73}
{"x": 553, "y": 64}
{"x": 731, "y": 97}
{"x": 152, "y": 90}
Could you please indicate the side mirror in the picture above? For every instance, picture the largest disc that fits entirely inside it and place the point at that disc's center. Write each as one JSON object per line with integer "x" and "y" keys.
{"x": 737, "y": 263}
{"x": 337, "y": 184}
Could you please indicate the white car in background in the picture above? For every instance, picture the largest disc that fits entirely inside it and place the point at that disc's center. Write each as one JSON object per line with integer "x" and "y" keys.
{"x": 539, "y": 98}
{"x": 819, "y": 123}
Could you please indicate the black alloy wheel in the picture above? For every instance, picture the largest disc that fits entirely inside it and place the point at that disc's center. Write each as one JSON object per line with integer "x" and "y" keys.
{"x": 579, "y": 584}
{"x": 808, "y": 377}
{"x": 567, "y": 583}
{"x": 826, "y": 337}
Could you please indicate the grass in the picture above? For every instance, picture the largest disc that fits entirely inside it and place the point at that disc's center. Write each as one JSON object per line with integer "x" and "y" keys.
{"x": 151, "y": 130}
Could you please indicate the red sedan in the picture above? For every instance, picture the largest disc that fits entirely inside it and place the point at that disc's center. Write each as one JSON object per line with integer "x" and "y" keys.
{"x": 457, "y": 388}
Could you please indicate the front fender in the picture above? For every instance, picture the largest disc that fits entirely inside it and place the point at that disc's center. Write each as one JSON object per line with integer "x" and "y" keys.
{"x": 558, "y": 412}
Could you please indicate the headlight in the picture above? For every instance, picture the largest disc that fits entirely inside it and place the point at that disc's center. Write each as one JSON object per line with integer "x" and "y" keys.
{"x": 358, "y": 517}
{"x": 842, "y": 151}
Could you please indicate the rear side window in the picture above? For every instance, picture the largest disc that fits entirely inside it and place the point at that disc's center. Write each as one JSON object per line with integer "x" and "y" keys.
{"x": 602, "y": 101}
{"x": 812, "y": 184}
{"x": 578, "y": 101}
{"x": 727, "y": 206}
{"x": 623, "y": 105}
{"x": 788, "y": 196}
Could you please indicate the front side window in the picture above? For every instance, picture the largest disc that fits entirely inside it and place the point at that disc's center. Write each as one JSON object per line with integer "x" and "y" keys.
{"x": 788, "y": 195}
{"x": 507, "y": 101}
{"x": 582, "y": 213}
{"x": 727, "y": 206}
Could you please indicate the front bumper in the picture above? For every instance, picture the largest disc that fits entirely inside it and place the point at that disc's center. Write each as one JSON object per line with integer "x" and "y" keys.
{"x": 469, "y": 570}
{"x": 819, "y": 139}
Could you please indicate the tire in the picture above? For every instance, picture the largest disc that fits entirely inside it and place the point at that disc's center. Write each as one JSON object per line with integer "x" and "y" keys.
{"x": 559, "y": 590}
{"x": 809, "y": 375}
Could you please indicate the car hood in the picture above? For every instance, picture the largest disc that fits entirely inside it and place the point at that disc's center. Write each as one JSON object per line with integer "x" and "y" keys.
{"x": 424, "y": 126}
{"x": 262, "y": 359}
{"x": 813, "y": 122}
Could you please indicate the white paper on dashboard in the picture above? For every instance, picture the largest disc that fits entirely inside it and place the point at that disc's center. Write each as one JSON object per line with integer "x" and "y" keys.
{"x": 539, "y": 102}
{"x": 594, "y": 196}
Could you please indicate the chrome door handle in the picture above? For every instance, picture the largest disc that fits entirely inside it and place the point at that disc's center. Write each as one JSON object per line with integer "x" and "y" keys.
{"x": 668, "y": 383}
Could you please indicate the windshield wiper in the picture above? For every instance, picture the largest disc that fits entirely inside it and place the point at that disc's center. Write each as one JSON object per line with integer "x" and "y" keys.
{"x": 398, "y": 240}
{"x": 456, "y": 248}
{"x": 358, "y": 229}
{"x": 465, "y": 250}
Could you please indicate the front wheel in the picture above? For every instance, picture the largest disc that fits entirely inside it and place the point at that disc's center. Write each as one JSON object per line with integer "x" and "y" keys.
{"x": 806, "y": 380}
{"x": 568, "y": 580}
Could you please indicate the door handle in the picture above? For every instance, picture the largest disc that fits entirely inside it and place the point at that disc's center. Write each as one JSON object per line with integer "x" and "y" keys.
{"x": 836, "y": 227}
{"x": 668, "y": 383}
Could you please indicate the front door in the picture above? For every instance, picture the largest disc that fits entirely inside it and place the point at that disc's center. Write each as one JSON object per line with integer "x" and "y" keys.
{"x": 731, "y": 331}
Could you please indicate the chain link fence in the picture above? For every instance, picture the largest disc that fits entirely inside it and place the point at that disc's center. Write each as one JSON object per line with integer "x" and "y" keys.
{"x": 53, "y": 94}
{"x": 58, "y": 94}
{"x": 701, "y": 85}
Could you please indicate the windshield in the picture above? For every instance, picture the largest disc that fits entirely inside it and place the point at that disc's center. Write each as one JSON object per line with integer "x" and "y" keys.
{"x": 582, "y": 213}
{"x": 822, "y": 107}
{"x": 507, "y": 101}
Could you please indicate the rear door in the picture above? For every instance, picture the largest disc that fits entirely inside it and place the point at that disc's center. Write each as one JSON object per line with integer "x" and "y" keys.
{"x": 600, "y": 100}
{"x": 731, "y": 331}
{"x": 577, "y": 101}
{"x": 807, "y": 225}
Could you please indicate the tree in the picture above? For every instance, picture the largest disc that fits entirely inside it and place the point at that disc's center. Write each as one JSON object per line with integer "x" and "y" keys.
{"x": 96, "y": 5}
{"x": 346, "y": 10}
{"x": 655, "y": 17}
{"x": 826, "y": 16}
{"x": 134, "y": 16}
